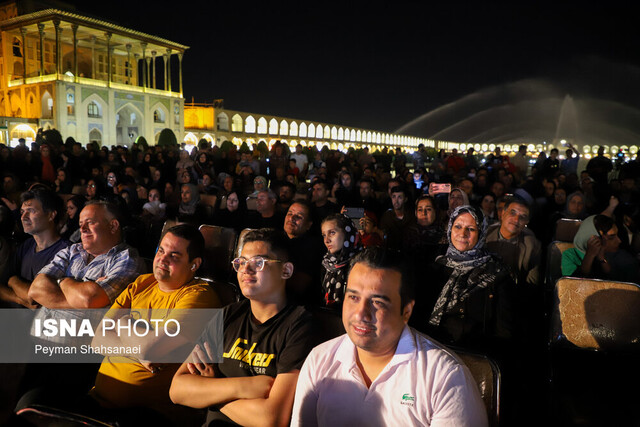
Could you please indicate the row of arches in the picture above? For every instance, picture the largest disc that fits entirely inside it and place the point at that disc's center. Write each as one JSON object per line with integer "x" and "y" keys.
{"x": 284, "y": 128}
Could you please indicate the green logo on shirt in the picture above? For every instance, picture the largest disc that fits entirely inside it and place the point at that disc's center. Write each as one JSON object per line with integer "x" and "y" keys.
{"x": 408, "y": 397}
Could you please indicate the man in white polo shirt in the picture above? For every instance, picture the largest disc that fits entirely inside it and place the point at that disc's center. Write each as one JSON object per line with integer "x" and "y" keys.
{"x": 382, "y": 372}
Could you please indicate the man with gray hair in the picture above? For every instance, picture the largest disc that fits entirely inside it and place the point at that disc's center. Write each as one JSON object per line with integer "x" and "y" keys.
{"x": 265, "y": 215}
{"x": 92, "y": 273}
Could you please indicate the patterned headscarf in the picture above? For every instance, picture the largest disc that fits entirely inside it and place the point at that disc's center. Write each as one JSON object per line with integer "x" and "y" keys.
{"x": 337, "y": 265}
{"x": 460, "y": 284}
{"x": 476, "y": 255}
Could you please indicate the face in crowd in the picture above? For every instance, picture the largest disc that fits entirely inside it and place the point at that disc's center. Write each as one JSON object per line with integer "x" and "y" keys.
{"x": 464, "y": 232}
{"x": 372, "y": 311}
{"x": 100, "y": 231}
{"x": 425, "y": 212}
{"x": 333, "y": 236}
{"x": 172, "y": 267}
{"x": 297, "y": 221}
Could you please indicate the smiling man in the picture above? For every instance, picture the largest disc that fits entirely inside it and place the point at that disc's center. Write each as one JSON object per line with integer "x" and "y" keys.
{"x": 90, "y": 274}
{"x": 130, "y": 380}
{"x": 515, "y": 243}
{"x": 266, "y": 340}
{"x": 382, "y": 372}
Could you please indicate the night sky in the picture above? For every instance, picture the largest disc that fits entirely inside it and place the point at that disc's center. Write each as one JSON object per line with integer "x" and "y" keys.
{"x": 380, "y": 65}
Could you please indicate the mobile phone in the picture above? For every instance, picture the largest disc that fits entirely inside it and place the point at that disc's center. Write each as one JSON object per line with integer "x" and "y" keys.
{"x": 354, "y": 213}
{"x": 435, "y": 188}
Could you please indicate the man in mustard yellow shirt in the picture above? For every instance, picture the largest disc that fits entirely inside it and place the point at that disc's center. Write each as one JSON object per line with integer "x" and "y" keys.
{"x": 139, "y": 382}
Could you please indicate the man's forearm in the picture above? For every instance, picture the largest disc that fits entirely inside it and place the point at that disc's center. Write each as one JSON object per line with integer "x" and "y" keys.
{"x": 82, "y": 295}
{"x": 45, "y": 291}
{"x": 8, "y": 294}
{"x": 200, "y": 392}
{"x": 274, "y": 410}
{"x": 20, "y": 288}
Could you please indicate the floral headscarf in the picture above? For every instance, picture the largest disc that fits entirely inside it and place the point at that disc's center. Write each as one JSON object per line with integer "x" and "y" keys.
{"x": 461, "y": 284}
{"x": 337, "y": 265}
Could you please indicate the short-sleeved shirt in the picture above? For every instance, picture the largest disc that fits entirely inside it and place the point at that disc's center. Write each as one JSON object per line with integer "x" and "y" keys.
{"x": 116, "y": 269}
{"x": 274, "y": 347}
{"x": 122, "y": 384}
{"x": 423, "y": 384}
{"x": 28, "y": 263}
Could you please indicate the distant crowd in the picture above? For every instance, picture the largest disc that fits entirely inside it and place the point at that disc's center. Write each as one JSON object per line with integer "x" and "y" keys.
{"x": 470, "y": 235}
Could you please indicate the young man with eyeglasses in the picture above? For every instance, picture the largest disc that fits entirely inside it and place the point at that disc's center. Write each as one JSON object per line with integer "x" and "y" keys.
{"x": 266, "y": 340}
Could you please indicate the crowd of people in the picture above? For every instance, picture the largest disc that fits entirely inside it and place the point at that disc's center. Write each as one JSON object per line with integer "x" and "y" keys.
{"x": 403, "y": 246}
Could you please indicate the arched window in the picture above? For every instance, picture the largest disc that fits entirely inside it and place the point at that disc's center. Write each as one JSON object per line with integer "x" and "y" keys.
{"x": 222, "y": 122}
{"x": 236, "y": 123}
{"x": 93, "y": 110}
{"x": 293, "y": 129}
{"x": 284, "y": 128}
{"x": 311, "y": 131}
{"x": 158, "y": 116}
{"x": 273, "y": 127}
{"x": 262, "y": 125}
{"x": 340, "y": 134}
{"x": 334, "y": 133}
{"x": 303, "y": 130}
{"x": 319, "y": 132}
{"x": 250, "y": 125}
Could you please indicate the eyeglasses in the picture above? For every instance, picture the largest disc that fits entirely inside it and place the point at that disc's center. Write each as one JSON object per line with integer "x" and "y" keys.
{"x": 256, "y": 263}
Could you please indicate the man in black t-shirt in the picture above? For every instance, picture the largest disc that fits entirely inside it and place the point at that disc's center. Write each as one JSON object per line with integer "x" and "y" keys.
{"x": 266, "y": 340}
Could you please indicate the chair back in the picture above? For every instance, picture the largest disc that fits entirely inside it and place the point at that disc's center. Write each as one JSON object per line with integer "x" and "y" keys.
{"x": 251, "y": 203}
{"x": 226, "y": 291}
{"x": 167, "y": 225}
{"x": 554, "y": 262}
{"x": 79, "y": 190}
{"x": 566, "y": 229}
{"x": 219, "y": 243}
{"x": 240, "y": 241}
{"x": 488, "y": 378}
{"x": 329, "y": 323}
{"x": 596, "y": 314}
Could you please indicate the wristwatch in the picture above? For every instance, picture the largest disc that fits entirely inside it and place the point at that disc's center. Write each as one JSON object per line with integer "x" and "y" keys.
{"x": 60, "y": 280}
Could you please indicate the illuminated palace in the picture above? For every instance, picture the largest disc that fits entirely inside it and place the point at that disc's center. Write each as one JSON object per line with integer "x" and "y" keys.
{"x": 97, "y": 81}
{"x": 88, "y": 78}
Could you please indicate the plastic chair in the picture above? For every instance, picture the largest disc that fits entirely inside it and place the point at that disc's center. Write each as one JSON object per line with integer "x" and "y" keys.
{"x": 219, "y": 244}
{"x": 240, "y": 242}
{"x": 554, "y": 262}
{"x": 488, "y": 377}
{"x": 594, "y": 350}
{"x": 566, "y": 229}
{"x": 251, "y": 203}
{"x": 227, "y": 292}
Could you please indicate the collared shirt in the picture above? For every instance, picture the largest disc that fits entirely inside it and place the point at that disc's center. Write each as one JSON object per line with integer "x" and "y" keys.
{"x": 423, "y": 384}
{"x": 116, "y": 268}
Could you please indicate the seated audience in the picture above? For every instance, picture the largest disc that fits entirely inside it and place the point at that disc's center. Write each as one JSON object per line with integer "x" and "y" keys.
{"x": 474, "y": 306}
{"x": 266, "y": 325}
{"x": 41, "y": 212}
{"x": 341, "y": 239}
{"x": 127, "y": 381}
{"x": 597, "y": 253}
{"x": 307, "y": 252}
{"x": 356, "y": 378}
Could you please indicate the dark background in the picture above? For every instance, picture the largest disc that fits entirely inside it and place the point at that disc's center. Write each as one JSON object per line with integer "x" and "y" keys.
{"x": 380, "y": 65}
